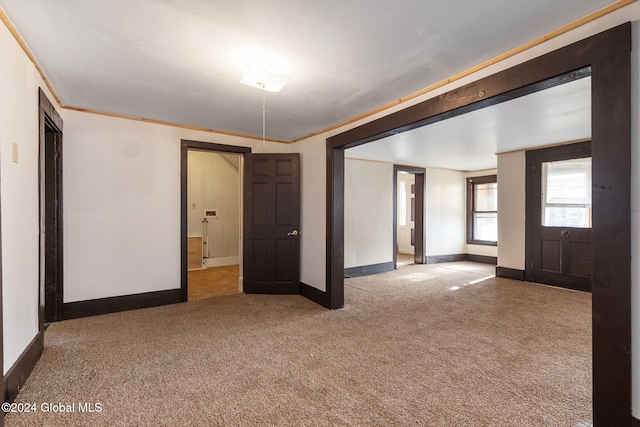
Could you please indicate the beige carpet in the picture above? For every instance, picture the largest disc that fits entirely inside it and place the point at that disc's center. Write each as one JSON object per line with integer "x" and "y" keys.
{"x": 443, "y": 345}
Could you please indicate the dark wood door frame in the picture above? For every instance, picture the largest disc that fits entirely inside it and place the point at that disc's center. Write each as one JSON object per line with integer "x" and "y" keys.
{"x": 1, "y": 313}
{"x": 185, "y": 146}
{"x": 533, "y": 191}
{"x": 50, "y": 155}
{"x": 418, "y": 254}
{"x": 608, "y": 56}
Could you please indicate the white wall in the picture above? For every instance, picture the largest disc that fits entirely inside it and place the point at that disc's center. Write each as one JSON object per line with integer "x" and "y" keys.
{"x": 511, "y": 209}
{"x": 313, "y": 186}
{"x": 445, "y": 218}
{"x": 19, "y": 82}
{"x": 368, "y": 213}
{"x": 122, "y": 204}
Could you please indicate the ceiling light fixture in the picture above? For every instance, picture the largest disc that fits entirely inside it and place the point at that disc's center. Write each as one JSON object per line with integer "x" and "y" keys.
{"x": 262, "y": 77}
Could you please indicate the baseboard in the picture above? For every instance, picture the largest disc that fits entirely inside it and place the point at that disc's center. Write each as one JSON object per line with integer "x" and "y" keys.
{"x": 510, "y": 273}
{"x": 437, "y": 259}
{"x": 367, "y": 270}
{"x": 635, "y": 422}
{"x": 606, "y": 413}
{"x": 74, "y": 310}
{"x": 16, "y": 376}
{"x": 222, "y": 261}
{"x": 315, "y": 295}
{"x": 483, "y": 259}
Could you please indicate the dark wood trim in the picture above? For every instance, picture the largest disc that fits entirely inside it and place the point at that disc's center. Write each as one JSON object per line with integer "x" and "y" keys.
{"x": 211, "y": 146}
{"x": 95, "y": 307}
{"x": 438, "y": 259}
{"x": 608, "y": 55}
{"x": 471, "y": 196}
{"x": 48, "y": 118}
{"x": 185, "y": 146}
{"x": 510, "y": 273}
{"x": 611, "y": 236}
{"x": 367, "y": 270}
{"x": 335, "y": 226}
{"x": 49, "y": 109}
{"x": 17, "y": 375}
{"x": 482, "y": 259}
{"x": 635, "y": 422}
{"x": 418, "y": 247}
{"x": 315, "y": 295}
{"x": 1, "y": 313}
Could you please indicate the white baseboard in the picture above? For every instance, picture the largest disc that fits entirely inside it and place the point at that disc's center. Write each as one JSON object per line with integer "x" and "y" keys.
{"x": 222, "y": 261}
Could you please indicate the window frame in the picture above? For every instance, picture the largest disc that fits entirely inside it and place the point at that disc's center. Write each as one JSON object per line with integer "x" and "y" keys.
{"x": 471, "y": 183}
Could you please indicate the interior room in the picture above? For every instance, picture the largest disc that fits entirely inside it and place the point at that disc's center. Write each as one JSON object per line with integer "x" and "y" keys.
{"x": 432, "y": 225}
{"x": 213, "y": 202}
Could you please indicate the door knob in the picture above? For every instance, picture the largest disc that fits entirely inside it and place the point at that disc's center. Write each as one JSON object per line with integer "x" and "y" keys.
{"x": 293, "y": 233}
{"x": 564, "y": 233}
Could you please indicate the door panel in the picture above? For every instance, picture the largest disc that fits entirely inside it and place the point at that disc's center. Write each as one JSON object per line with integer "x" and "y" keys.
{"x": 559, "y": 256}
{"x": 272, "y": 224}
{"x": 551, "y": 252}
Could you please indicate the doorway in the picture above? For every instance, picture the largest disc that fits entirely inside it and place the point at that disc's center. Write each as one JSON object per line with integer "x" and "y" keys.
{"x": 214, "y": 196}
{"x": 608, "y": 56}
{"x": 211, "y": 219}
{"x": 558, "y": 228}
{"x": 408, "y": 215}
{"x": 51, "y": 236}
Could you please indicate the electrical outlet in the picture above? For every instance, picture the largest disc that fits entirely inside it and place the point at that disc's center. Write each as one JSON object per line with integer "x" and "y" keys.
{"x": 193, "y": 206}
{"x": 14, "y": 152}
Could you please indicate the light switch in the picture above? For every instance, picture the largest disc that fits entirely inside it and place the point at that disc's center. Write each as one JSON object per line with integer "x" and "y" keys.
{"x": 193, "y": 206}
{"x": 14, "y": 152}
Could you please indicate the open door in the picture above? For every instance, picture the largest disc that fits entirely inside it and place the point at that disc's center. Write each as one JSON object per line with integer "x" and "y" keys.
{"x": 272, "y": 223}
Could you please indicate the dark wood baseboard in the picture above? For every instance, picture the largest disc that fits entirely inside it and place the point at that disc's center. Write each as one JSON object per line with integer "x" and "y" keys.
{"x": 367, "y": 270}
{"x": 437, "y": 259}
{"x": 20, "y": 371}
{"x": 510, "y": 273}
{"x": 635, "y": 422}
{"x": 315, "y": 295}
{"x": 74, "y": 310}
{"x": 483, "y": 259}
{"x": 607, "y": 413}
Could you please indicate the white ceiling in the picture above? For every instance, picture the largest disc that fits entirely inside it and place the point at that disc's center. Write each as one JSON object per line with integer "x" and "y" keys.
{"x": 470, "y": 141}
{"x": 176, "y": 60}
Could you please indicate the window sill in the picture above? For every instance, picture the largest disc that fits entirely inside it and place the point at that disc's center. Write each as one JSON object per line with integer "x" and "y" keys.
{"x": 481, "y": 242}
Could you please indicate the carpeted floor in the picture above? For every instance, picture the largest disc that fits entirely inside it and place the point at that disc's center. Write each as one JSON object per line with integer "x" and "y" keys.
{"x": 438, "y": 345}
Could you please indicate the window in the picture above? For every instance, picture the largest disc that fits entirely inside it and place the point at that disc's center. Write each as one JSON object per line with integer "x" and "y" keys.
{"x": 482, "y": 210}
{"x": 566, "y": 193}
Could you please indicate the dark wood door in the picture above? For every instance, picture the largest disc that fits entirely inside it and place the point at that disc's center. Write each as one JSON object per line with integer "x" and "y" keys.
{"x": 563, "y": 257}
{"x": 271, "y": 261}
{"x": 559, "y": 255}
